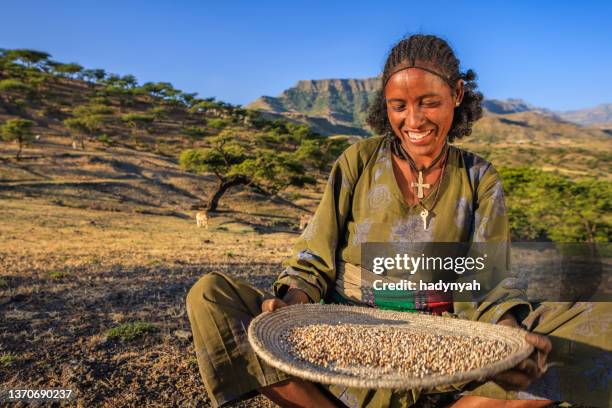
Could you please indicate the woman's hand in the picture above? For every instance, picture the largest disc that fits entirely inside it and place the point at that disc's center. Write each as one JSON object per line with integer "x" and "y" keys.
{"x": 529, "y": 370}
{"x": 292, "y": 297}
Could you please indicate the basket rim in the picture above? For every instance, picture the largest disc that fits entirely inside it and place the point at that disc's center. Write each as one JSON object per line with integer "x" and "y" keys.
{"x": 296, "y": 315}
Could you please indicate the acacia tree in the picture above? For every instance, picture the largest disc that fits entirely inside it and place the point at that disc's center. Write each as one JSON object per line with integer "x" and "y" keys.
{"x": 29, "y": 58}
{"x": 70, "y": 70}
{"x": 129, "y": 81}
{"x": 98, "y": 74}
{"x": 18, "y": 130}
{"x": 162, "y": 90}
{"x": 122, "y": 95}
{"x": 203, "y": 105}
{"x": 12, "y": 89}
{"x": 138, "y": 120}
{"x": 92, "y": 76}
{"x": 239, "y": 160}
{"x": 87, "y": 120}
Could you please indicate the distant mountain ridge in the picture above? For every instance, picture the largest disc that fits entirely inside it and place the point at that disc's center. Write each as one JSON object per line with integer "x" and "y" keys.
{"x": 341, "y": 102}
{"x": 339, "y": 106}
{"x": 599, "y": 115}
{"x": 511, "y": 105}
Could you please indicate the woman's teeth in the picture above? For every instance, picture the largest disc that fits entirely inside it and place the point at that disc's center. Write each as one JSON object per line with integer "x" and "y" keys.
{"x": 418, "y": 135}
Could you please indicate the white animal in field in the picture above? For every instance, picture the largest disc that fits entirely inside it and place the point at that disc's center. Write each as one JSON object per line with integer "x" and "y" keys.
{"x": 304, "y": 220}
{"x": 202, "y": 219}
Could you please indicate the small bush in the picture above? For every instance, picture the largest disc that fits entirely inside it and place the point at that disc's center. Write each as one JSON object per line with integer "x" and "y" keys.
{"x": 130, "y": 331}
{"x": 3, "y": 283}
{"x": 104, "y": 138}
{"x": 137, "y": 119}
{"x": 293, "y": 196}
{"x": 217, "y": 124}
{"x": 192, "y": 363}
{"x": 57, "y": 275}
{"x": 7, "y": 359}
{"x": 195, "y": 132}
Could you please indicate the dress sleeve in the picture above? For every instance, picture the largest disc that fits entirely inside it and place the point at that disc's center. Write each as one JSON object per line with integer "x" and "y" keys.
{"x": 312, "y": 267}
{"x": 490, "y": 225}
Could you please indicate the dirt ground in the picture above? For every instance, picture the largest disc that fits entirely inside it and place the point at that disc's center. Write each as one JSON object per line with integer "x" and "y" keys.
{"x": 69, "y": 275}
{"x": 91, "y": 240}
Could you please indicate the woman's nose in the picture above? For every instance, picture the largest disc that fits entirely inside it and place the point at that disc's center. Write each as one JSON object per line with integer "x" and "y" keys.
{"x": 414, "y": 117}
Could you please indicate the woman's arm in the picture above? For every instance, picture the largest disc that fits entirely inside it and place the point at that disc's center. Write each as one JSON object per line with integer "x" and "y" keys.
{"x": 312, "y": 267}
{"x": 507, "y": 303}
{"x": 491, "y": 233}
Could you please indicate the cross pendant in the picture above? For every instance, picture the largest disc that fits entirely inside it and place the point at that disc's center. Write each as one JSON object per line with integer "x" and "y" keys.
{"x": 419, "y": 185}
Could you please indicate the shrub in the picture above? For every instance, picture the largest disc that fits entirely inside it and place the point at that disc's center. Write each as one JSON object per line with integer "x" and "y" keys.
{"x": 7, "y": 359}
{"x": 130, "y": 331}
{"x": 104, "y": 138}
{"x": 57, "y": 275}
{"x": 217, "y": 124}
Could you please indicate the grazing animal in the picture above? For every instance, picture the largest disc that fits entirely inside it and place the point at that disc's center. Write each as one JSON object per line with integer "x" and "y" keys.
{"x": 202, "y": 219}
{"x": 304, "y": 220}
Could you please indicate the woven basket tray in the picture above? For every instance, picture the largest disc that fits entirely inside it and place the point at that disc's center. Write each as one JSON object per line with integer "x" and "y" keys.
{"x": 266, "y": 329}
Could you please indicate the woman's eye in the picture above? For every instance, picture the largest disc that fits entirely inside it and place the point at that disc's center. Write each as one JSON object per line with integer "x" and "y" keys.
{"x": 398, "y": 108}
{"x": 430, "y": 104}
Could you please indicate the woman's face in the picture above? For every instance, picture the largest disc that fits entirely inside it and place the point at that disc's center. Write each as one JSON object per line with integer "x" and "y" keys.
{"x": 420, "y": 108}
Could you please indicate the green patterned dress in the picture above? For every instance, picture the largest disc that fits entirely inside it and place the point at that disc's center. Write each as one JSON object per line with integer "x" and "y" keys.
{"x": 363, "y": 203}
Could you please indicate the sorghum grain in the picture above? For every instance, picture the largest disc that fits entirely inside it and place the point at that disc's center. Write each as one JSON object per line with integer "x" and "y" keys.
{"x": 346, "y": 347}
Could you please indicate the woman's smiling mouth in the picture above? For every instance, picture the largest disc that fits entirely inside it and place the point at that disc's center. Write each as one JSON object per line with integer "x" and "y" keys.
{"x": 416, "y": 136}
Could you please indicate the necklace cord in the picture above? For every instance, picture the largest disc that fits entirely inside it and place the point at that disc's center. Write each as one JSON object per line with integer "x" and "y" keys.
{"x": 438, "y": 188}
{"x": 396, "y": 146}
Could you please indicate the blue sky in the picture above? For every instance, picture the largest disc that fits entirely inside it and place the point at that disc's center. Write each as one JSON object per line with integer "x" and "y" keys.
{"x": 555, "y": 54}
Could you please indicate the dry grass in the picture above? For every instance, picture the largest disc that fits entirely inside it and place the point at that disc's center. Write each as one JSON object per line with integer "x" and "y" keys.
{"x": 73, "y": 278}
{"x": 92, "y": 241}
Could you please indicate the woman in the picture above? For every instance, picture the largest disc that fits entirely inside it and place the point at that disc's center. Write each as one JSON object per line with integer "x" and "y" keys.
{"x": 408, "y": 185}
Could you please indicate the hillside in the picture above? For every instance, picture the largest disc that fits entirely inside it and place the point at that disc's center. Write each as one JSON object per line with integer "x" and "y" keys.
{"x": 102, "y": 131}
{"x": 143, "y": 118}
{"x": 99, "y": 244}
{"x": 511, "y": 133}
{"x": 544, "y": 142}
{"x": 330, "y": 106}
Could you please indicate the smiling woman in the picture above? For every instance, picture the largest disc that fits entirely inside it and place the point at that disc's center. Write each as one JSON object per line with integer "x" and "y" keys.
{"x": 406, "y": 185}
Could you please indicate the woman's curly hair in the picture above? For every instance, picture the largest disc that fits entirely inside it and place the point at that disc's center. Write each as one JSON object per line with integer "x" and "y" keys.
{"x": 434, "y": 52}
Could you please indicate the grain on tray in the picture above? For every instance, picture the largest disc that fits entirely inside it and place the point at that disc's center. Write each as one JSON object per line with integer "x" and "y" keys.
{"x": 391, "y": 349}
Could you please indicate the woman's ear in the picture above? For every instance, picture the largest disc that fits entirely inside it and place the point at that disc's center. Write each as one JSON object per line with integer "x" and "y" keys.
{"x": 459, "y": 92}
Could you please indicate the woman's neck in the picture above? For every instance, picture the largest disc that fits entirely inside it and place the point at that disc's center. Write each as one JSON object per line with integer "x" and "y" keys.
{"x": 424, "y": 161}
